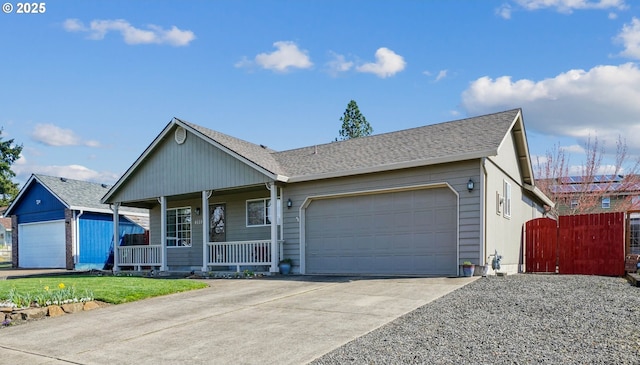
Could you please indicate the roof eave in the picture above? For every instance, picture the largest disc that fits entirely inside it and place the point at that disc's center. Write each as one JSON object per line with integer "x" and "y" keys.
{"x": 394, "y": 166}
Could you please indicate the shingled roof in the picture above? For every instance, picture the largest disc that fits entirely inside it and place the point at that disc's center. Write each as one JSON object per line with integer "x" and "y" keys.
{"x": 437, "y": 143}
{"x": 76, "y": 194}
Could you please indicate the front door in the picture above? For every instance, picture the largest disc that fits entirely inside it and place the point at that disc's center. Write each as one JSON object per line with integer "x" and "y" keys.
{"x": 217, "y": 231}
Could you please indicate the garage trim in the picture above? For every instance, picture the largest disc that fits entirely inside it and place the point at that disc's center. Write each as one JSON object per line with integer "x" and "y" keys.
{"x": 310, "y": 199}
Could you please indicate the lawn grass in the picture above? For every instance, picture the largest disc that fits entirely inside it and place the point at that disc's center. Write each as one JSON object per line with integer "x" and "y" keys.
{"x": 110, "y": 289}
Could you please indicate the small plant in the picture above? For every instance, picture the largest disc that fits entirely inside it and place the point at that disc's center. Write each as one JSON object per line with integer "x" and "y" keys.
{"x": 467, "y": 263}
{"x": 286, "y": 261}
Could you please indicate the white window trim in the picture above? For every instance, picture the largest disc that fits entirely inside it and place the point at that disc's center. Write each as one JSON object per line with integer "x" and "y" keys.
{"x": 266, "y": 212}
{"x": 176, "y": 238}
{"x": 608, "y": 200}
{"x": 507, "y": 199}
{"x": 573, "y": 203}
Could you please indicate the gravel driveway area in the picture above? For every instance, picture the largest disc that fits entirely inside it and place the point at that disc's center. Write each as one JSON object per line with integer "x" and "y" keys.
{"x": 518, "y": 319}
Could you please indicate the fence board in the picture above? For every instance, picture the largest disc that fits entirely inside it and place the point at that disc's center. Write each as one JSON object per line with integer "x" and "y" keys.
{"x": 591, "y": 244}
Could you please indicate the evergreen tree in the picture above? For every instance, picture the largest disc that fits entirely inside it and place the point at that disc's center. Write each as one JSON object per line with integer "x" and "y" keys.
{"x": 9, "y": 153}
{"x": 354, "y": 124}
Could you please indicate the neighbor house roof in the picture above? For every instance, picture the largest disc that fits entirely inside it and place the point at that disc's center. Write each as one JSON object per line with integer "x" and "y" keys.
{"x": 458, "y": 140}
{"x": 74, "y": 194}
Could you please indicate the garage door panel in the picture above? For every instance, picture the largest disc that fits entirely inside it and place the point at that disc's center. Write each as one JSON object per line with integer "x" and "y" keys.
{"x": 409, "y": 232}
{"x": 42, "y": 245}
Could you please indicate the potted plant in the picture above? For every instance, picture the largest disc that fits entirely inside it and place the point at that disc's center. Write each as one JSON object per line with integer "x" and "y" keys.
{"x": 285, "y": 266}
{"x": 468, "y": 268}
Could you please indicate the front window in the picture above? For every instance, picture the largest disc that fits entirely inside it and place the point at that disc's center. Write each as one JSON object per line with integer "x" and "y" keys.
{"x": 606, "y": 202}
{"x": 258, "y": 212}
{"x": 179, "y": 227}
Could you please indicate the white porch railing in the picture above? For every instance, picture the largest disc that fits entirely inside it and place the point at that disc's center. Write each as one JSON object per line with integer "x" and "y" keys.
{"x": 241, "y": 253}
{"x": 142, "y": 255}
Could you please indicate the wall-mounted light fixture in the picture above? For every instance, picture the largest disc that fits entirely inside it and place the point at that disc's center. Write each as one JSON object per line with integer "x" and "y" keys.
{"x": 289, "y": 203}
{"x": 470, "y": 185}
{"x": 197, "y": 211}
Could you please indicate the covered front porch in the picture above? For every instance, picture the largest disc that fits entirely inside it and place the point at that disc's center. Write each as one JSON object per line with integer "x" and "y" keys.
{"x": 228, "y": 231}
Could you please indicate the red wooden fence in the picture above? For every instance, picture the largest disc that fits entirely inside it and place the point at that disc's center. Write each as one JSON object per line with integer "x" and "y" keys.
{"x": 589, "y": 244}
{"x": 541, "y": 238}
{"x": 592, "y": 244}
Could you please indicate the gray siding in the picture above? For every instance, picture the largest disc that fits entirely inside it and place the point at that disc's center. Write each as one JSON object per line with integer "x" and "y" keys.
{"x": 195, "y": 165}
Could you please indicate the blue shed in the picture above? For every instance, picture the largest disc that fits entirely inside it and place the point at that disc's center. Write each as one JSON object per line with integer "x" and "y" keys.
{"x": 62, "y": 224}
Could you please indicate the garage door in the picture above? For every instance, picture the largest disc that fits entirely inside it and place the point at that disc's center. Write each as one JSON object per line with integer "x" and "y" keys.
{"x": 42, "y": 245}
{"x": 399, "y": 233}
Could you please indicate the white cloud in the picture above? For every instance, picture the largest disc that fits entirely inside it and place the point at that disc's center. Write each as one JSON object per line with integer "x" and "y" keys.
{"x": 629, "y": 36}
{"x": 23, "y": 171}
{"x": 98, "y": 29}
{"x": 441, "y": 75}
{"x": 388, "y": 63}
{"x": 52, "y": 135}
{"x": 568, "y": 6}
{"x": 504, "y": 11}
{"x": 602, "y": 102}
{"x": 285, "y": 57}
{"x": 338, "y": 64}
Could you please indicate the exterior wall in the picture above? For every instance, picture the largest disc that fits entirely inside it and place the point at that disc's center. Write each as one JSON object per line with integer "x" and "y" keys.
{"x": 183, "y": 258}
{"x": 619, "y": 203}
{"x": 456, "y": 174}
{"x": 503, "y": 233}
{"x": 68, "y": 234}
{"x": 95, "y": 239}
{"x": 195, "y": 165}
{"x": 37, "y": 204}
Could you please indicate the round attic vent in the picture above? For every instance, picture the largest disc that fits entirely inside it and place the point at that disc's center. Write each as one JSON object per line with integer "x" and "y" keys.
{"x": 180, "y": 135}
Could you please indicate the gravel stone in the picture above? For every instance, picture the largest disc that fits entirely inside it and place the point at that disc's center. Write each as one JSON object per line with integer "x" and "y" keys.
{"x": 517, "y": 319}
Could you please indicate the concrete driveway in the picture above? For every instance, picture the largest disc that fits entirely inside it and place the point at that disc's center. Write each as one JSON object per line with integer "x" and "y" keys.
{"x": 290, "y": 320}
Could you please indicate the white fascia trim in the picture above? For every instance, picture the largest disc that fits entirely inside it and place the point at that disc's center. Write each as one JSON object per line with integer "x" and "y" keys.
{"x": 107, "y": 210}
{"x": 308, "y": 200}
{"x": 395, "y": 166}
{"x": 539, "y": 194}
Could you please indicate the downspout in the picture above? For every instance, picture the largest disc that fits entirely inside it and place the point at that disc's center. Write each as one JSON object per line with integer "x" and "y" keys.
{"x": 76, "y": 239}
{"x": 483, "y": 211}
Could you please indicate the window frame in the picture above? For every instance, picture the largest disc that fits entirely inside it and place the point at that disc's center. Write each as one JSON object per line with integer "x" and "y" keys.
{"x": 608, "y": 204}
{"x": 265, "y": 212}
{"x": 573, "y": 203}
{"x": 507, "y": 199}
{"x": 179, "y": 237}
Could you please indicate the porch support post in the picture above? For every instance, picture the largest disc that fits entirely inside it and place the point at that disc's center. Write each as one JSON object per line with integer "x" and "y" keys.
{"x": 163, "y": 233}
{"x": 116, "y": 235}
{"x": 205, "y": 229}
{"x": 274, "y": 226}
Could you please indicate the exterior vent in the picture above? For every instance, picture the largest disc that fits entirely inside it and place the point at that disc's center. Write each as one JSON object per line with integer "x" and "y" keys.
{"x": 104, "y": 185}
{"x": 63, "y": 179}
{"x": 180, "y": 135}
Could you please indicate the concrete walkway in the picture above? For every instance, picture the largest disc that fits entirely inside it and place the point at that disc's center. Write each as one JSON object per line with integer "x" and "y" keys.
{"x": 290, "y": 320}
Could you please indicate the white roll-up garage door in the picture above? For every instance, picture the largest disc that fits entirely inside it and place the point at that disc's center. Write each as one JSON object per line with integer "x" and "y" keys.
{"x": 42, "y": 245}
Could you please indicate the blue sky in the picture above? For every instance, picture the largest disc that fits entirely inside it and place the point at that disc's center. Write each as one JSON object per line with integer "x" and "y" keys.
{"x": 87, "y": 85}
